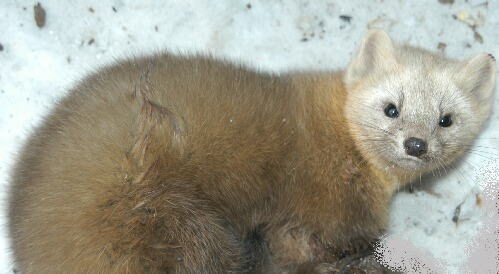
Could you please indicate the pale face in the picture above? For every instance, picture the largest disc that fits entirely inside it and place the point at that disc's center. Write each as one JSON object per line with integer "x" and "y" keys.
{"x": 413, "y": 120}
{"x": 414, "y": 111}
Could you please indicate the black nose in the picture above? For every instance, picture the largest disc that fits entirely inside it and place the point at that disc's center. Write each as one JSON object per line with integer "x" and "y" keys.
{"x": 415, "y": 147}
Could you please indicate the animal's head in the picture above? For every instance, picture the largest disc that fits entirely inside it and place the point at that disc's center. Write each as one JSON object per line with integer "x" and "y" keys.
{"x": 414, "y": 111}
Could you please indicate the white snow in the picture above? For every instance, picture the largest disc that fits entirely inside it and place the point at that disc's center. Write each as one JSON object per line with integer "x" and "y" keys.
{"x": 37, "y": 65}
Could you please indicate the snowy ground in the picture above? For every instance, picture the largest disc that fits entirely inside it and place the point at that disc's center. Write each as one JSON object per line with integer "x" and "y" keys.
{"x": 37, "y": 65}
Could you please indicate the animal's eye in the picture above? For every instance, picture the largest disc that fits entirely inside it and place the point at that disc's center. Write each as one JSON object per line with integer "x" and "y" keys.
{"x": 391, "y": 111}
{"x": 445, "y": 121}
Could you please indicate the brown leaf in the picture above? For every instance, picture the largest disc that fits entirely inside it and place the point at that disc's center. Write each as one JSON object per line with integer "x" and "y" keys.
{"x": 450, "y": 2}
{"x": 40, "y": 15}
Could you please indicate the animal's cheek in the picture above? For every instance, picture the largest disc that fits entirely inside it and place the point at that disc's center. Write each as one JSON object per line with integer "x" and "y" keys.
{"x": 397, "y": 135}
{"x": 436, "y": 147}
{"x": 445, "y": 145}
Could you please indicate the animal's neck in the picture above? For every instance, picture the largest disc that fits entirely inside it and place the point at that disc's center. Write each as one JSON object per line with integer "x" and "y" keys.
{"x": 326, "y": 139}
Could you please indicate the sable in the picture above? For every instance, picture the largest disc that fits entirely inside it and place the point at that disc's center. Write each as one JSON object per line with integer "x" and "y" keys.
{"x": 189, "y": 164}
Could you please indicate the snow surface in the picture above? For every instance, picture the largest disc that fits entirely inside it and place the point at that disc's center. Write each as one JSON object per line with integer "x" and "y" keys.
{"x": 37, "y": 65}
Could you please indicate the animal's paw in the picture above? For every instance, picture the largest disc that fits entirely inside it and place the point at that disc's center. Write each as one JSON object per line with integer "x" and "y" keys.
{"x": 347, "y": 265}
{"x": 316, "y": 268}
{"x": 360, "y": 265}
{"x": 325, "y": 268}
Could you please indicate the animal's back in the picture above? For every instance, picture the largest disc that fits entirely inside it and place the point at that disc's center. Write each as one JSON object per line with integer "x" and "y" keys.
{"x": 87, "y": 182}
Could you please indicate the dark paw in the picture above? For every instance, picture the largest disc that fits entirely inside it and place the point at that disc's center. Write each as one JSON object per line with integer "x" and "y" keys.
{"x": 354, "y": 264}
{"x": 316, "y": 268}
{"x": 360, "y": 264}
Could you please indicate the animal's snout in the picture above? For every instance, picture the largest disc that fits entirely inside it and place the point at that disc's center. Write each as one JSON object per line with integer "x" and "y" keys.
{"x": 415, "y": 147}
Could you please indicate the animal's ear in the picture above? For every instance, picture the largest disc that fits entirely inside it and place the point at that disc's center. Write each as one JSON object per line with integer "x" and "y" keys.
{"x": 477, "y": 77}
{"x": 376, "y": 53}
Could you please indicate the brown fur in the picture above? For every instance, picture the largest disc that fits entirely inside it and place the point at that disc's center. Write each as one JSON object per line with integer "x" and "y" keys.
{"x": 191, "y": 165}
